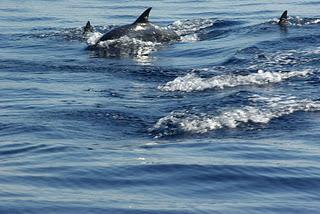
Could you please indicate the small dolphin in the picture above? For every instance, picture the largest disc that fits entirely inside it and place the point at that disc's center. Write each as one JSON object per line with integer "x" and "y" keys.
{"x": 141, "y": 29}
{"x": 284, "y": 18}
{"x": 88, "y": 28}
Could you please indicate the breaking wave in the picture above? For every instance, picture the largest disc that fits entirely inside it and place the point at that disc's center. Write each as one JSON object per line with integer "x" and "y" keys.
{"x": 192, "y": 82}
{"x": 271, "y": 108}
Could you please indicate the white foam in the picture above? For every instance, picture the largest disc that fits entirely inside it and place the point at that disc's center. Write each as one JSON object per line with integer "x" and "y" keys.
{"x": 192, "y": 82}
{"x": 190, "y": 38}
{"x": 93, "y": 38}
{"x": 139, "y": 28}
{"x": 232, "y": 118}
{"x": 186, "y": 27}
{"x": 315, "y": 21}
{"x": 315, "y": 51}
{"x": 124, "y": 46}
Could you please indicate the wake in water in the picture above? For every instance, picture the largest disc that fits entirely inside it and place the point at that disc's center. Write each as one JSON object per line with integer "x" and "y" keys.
{"x": 192, "y": 82}
{"x": 263, "y": 111}
{"x": 256, "y": 65}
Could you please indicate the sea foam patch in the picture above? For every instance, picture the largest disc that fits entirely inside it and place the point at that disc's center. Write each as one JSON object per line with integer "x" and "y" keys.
{"x": 192, "y": 82}
{"x": 93, "y": 38}
{"x": 274, "y": 107}
{"x": 188, "y": 27}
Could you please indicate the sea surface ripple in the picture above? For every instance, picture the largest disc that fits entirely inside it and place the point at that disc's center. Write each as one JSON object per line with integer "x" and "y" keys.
{"x": 224, "y": 121}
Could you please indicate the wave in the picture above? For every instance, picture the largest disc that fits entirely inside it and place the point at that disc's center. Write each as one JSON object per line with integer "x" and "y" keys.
{"x": 192, "y": 82}
{"x": 281, "y": 60}
{"x": 274, "y": 107}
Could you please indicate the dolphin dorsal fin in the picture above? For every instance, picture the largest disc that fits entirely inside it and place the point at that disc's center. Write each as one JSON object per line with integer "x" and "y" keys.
{"x": 87, "y": 28}
{"x": 284, "y": 15}
{"x": 284, "y": 18}
{"x": 88, "y": 24}
{"x": 143, "y": 18}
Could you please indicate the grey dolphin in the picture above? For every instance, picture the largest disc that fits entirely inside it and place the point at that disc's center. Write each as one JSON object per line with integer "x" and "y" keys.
{"x": 284, "y": 18}
{"x": 141, "y": 29}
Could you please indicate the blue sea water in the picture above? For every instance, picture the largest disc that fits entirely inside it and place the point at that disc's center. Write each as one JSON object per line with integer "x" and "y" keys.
{"x": 224, "y": 121}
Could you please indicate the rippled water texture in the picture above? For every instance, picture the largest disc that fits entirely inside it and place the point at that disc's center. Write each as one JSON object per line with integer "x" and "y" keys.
{"x": 224, "y": 120}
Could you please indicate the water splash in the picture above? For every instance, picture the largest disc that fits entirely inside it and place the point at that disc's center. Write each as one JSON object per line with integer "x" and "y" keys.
{"x": 93, "y": 38}
{"x": 187, "y": 27}
{"x": 124, "y": 46}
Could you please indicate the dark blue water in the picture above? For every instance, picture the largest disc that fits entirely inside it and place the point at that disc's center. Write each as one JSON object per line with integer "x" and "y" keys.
{"x": 224, "y": 121}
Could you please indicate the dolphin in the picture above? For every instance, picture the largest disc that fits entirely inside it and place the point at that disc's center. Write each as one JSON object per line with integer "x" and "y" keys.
{"x": 141, "y": 29}
{"x": 87, "y": 29}
{"x": 284, "y": 18}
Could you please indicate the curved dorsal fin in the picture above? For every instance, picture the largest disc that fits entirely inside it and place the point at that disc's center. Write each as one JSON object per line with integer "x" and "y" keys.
{"x": 284, "y": 16}
{"x": 143, "y": 18}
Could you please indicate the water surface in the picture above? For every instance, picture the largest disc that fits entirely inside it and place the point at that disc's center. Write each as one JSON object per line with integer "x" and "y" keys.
{"x": 224, "y": 121}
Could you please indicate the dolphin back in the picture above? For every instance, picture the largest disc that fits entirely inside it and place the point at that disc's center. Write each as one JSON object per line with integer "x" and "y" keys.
{"x": 141, "y": 29}
{"x": 123, "y": 30}
{"x": 116, "y": 33}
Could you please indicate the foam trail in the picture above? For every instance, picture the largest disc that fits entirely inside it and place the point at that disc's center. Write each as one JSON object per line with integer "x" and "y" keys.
{"x": 192, "y": 82}
{"x": 273, "y": 108}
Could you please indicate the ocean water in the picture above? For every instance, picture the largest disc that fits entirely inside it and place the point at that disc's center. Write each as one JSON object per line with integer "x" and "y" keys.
{"x": 227, "y": 120}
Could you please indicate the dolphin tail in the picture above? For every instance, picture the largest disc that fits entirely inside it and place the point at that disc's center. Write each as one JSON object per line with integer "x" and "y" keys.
{"x": 143, "y": 18}
{"x": 283, "y": 18}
